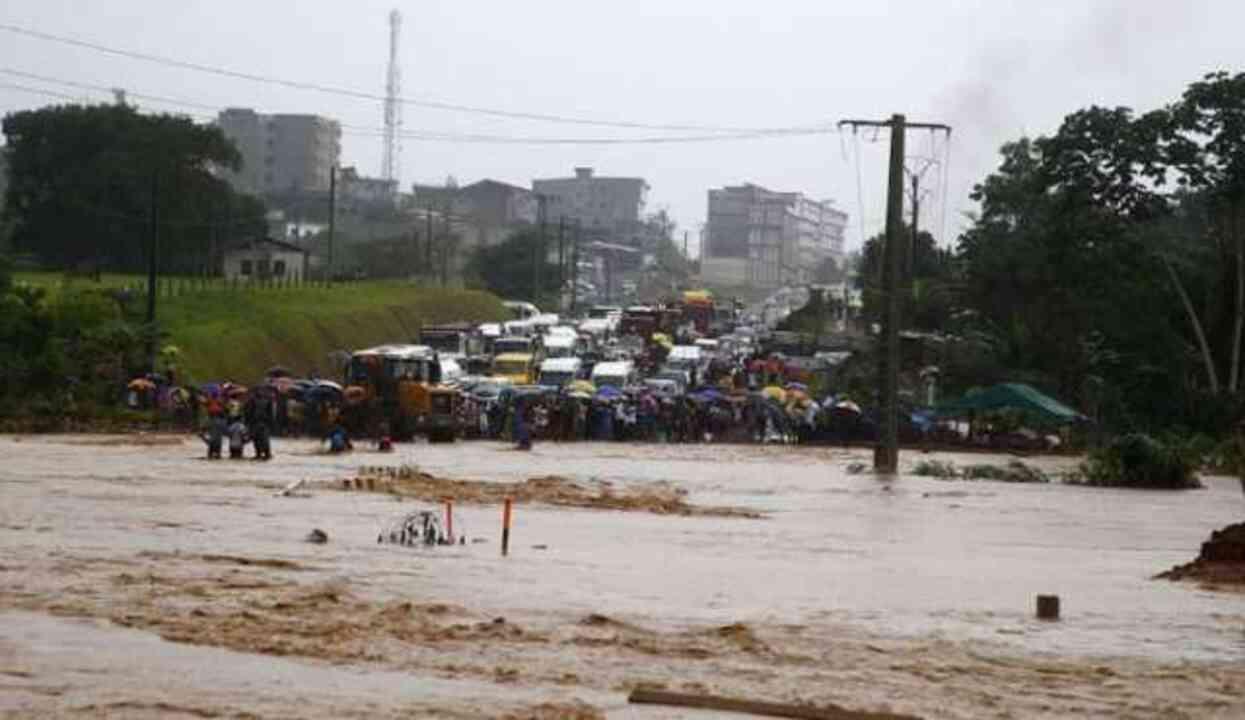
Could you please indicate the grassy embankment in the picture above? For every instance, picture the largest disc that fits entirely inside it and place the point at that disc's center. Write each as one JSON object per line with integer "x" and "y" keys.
{"x": 238, "y": 335}
{"x": 225, "y": 333}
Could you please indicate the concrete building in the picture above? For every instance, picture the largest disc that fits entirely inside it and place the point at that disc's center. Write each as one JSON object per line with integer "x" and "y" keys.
{"x": 265, "y": 260}
{"x": 764, "y": 239}
{"x": 356, "y": 192}
{"x": 486, "y": 212}
{"x": 607, "y": 207}
{"x": 281, "y": 153}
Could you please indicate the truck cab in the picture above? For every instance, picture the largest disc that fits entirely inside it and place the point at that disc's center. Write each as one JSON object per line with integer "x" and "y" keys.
{"x": 516, "y": 368}
{"x": 559, "y": 372}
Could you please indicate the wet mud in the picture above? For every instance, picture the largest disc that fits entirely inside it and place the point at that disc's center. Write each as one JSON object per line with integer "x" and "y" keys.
{"x": 660, "y": 498}
{"x": 139, "y": 582}
{"x": 1221, "y": 563}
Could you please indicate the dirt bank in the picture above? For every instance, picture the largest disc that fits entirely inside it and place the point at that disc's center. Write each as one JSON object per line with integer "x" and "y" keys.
{"x": 1221, "y": 561}
{"x": 660, "y": 498}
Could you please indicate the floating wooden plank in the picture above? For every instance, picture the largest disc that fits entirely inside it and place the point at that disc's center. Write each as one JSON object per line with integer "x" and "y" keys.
{"x": 756, "y": 707}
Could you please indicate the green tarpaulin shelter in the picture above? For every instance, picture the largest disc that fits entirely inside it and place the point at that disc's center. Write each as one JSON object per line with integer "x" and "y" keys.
{"x": 1012, "y": 396}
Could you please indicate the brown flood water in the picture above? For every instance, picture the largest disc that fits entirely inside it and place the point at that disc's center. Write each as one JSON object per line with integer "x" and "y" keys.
{"x": 138, "y": 580}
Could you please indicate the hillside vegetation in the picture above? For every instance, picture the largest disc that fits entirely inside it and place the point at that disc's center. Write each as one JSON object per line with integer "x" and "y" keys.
{"x": 237, "y": 335}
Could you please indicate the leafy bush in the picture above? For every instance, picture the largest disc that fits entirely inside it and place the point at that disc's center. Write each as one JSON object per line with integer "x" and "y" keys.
{"x": 935, "y": 468}
{"x": 1140, "y": 461}
{"x": 1014, "y": 472}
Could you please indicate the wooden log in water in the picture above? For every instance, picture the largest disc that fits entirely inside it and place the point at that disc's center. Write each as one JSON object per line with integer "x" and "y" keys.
{"x": 699, "y": 701}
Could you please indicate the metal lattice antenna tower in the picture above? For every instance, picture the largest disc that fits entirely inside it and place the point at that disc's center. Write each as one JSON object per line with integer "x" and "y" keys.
{"x": 393, "y": 106}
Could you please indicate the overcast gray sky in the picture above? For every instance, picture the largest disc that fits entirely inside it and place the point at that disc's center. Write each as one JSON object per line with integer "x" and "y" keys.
{"x": 993, "y": 69}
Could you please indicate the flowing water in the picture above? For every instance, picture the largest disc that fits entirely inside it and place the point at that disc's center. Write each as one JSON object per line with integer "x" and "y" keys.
{"x": 888, "y": 573}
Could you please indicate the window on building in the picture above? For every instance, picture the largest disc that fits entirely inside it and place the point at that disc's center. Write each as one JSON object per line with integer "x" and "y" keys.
{"x": 263, "y": 268}
{"x": 278, "y": 268}
{"x": 246, "y": 268}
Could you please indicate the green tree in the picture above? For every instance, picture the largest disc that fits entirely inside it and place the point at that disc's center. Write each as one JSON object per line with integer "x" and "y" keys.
{"x": 82, "y": 180}
{"x": 507, "y": 269}
{"x": 929, "y": 281}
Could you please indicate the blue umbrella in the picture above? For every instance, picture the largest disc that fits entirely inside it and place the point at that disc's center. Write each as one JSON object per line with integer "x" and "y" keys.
{"x": 608, "y": 392}
{"x": 708, "y": 395}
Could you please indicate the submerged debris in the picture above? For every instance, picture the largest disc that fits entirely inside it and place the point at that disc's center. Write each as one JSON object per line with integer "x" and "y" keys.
{"x": 422, "y": 527}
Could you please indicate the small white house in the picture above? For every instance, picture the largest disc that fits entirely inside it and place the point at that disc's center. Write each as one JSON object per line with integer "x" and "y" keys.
{"x": 265, "y": 260}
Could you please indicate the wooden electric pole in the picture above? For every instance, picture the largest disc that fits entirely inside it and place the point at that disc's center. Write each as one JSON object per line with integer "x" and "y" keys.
{"x": 153, "y": 265}
{"x": 575, "y": 269}
{"x": 915, "y": 177}
{"x": 886, "y": 453}
{"x": 561, "y": 258}
{"x": 332, "y": 216}
{"x": 445, "y": 237}
{"x": 428, "y": 240}
{"x": 538, "y": 248}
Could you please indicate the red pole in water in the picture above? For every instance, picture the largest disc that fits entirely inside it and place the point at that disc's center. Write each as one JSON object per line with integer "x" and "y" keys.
{"x": 449, "y": 520}
{"x": 505, "y": 528}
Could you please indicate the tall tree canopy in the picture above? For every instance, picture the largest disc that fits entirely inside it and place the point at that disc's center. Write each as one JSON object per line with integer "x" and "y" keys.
{"x": 928, "y": 280}
{"x": 1109, "y": 257}
{"x": 83, "y": 179}
{"x": 507, "y": 269}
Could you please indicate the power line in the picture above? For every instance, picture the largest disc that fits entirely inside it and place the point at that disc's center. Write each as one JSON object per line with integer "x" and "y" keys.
{"x": 441, "y": 136}
{"x": 362, "y": 95}
{"x": 39, "y": 91}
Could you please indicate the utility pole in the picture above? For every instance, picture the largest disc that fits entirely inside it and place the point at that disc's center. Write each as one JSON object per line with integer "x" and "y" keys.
{"x": 575, "y": 270}
{"x": 538, "y": 247}
{"x": 332, "y": 215}
{"x": 428, "y": 239}
{"x": 561, "y": 256}
{"x": 153, "y": 264}
{"x": 608, "y": 254}
{"x": 686, "y": 256}
{"x": 915, "y": 176}
{"x": 886, "y": 453}
{"x": 445, "y": 238}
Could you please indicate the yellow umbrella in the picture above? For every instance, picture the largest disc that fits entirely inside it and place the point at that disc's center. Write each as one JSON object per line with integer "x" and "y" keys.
{"x": 775, "y": 393}
{"x": 581, "y": 386}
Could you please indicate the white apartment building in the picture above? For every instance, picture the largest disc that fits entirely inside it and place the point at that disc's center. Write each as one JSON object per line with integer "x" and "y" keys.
{"x": 764, "y": 239}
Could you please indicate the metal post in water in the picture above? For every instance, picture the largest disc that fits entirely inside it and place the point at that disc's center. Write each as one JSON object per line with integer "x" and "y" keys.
{"x": 1048, "y": 607}
{"x": 505, "y": 527}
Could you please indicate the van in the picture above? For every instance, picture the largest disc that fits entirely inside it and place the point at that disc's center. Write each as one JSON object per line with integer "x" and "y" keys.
{"x": 562, "y": 346}
{"x": 619, "y": 374}
{"x": 558, "y": 372}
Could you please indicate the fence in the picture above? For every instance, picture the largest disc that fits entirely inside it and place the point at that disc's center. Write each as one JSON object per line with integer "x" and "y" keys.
{"x": 170, "y": 286}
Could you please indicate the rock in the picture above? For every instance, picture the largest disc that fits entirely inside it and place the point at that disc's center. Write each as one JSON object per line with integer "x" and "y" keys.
{"x": 317, "y": 536}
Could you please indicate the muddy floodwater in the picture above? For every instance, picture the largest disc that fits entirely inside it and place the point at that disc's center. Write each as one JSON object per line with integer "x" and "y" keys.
{"x": 138, "y": 580}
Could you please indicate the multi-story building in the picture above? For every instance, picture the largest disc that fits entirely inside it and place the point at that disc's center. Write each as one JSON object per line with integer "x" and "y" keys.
{"x": 765, "y": 239}
{"x": 281, "y": 154}
{"x": 486, "y": 211}
{"x": 356, "y": 193}
{"x": 606, "y": 207}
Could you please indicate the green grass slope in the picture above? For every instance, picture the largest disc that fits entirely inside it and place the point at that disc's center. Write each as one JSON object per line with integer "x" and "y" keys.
{"x": 237, "y": 335}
